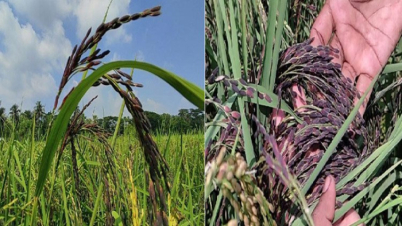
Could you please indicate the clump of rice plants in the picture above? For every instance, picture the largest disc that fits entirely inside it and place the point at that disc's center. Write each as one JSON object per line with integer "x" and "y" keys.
{"x": 184, "y": 202}
{"x": 263, "y": 172}
{"x": 75, "y": 64}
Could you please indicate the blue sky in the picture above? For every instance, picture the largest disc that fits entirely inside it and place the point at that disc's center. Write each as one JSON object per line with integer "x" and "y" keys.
{"x": 37, "y": 36}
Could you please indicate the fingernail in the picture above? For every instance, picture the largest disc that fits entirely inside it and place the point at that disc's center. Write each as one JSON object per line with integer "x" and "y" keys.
{"x": 327, "y": 183}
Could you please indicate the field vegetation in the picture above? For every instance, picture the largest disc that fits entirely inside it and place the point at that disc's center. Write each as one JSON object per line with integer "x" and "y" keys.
{"x": 125, "y": 202}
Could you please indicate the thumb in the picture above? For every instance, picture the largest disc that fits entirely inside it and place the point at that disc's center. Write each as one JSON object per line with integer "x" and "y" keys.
{"x": 324, "y": 213}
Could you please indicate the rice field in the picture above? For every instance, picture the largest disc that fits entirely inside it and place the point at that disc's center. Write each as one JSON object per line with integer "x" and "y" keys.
{"x": 108, "y": 194}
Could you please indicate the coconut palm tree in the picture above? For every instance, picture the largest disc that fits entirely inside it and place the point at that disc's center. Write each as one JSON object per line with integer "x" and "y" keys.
{"x": 27, "y": 114}
{"x": 15, "y": 115}
{"x": 39, "y": 110}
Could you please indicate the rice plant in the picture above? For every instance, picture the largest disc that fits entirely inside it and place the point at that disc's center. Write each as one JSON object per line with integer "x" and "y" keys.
{"x": 78, "y": 174}
{"x": 263, "y": 172}
{"x": 67, "y": 205}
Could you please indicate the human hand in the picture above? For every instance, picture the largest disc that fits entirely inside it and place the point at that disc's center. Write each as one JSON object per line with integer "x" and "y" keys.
{"x": 365, "y": 33}
{"x": 324, "y": 213}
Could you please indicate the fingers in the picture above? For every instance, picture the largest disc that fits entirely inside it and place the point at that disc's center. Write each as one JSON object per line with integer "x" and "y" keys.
{"x": 325, "y": 211}
{"x": 348, "y": 219}
{"x": 322, "y": 27}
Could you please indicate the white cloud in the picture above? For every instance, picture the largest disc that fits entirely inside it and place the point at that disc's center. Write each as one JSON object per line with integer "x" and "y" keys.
{"x": 43, "y": 13}
{"x": 90, "y": 13}
{"x": 184, "y": 104}
{"x": 139, "y": 56}
{"x": 152, "y": 105}
{"x": 28, "y": 58}
{"x": 118, "y": 35}
{"x": 116, "y": 57}
{"x": 107, "y": 103}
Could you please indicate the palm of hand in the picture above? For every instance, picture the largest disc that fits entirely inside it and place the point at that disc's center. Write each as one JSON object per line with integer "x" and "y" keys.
{"x": 366, "y": 33}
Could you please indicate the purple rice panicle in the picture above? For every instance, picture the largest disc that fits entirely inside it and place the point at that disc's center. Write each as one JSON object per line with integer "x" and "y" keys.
{"x": 76, "y": 64}
{"x": 158, "y": 167}
{"x": 329, "y": 99}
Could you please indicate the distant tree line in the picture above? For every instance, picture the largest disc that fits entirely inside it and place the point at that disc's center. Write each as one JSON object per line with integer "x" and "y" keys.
{"x": 188, "y": 120}
{"x": 20, "y": 123}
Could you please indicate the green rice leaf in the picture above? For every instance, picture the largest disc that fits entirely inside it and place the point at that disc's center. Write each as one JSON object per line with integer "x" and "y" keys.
{"x": 278, "y": 40}
{"x": 389, "y": 68}
{"x": 378, "y": 155}
{"x": 347, "y": 206}
{"x": 266, "y": 75}
{"x": 389, "y": 205}
{"x": 213, "y": 130}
